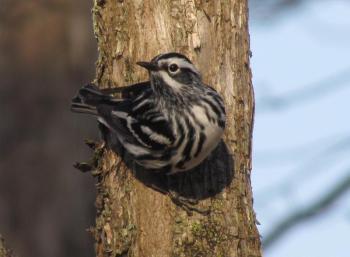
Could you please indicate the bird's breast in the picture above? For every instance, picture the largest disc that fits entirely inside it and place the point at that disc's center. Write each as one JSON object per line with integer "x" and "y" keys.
{"x": 197, "y": 133}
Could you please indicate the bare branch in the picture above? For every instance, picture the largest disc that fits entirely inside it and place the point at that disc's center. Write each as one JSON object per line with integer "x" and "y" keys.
{"x": 306, "y": 171}
{"x": 307, "y": 213}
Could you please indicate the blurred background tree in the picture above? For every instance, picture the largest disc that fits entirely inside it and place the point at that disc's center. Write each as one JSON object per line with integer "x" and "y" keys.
{"x": 301, "y": 77}
{"x": 47, "y": 51}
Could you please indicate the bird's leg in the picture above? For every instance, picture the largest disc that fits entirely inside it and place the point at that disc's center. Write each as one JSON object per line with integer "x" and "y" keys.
{"x": 191, "y": 187}
{"x": 157, "y": 188}
{"x": 185, "y": 203}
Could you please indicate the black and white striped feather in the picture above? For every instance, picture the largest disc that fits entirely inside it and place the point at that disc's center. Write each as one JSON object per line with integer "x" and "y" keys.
{"x": 171, "y": 122}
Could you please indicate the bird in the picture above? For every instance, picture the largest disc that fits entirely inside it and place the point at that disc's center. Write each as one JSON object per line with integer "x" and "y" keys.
{"x": 170, "y": 123}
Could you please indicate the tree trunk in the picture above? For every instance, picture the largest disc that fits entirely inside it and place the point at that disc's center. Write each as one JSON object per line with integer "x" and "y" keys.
{"x": 136, "y": 220}
{"x": 4, "y": 252}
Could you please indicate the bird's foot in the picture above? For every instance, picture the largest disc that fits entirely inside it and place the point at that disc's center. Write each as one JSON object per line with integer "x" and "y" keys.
{"x": 186, "y": 204}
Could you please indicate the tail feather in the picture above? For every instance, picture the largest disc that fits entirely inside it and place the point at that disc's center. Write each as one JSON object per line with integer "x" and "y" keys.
{"x": 83, "y": 108}
{"x": 89, "y": 100}
{"x": 91, "y": 95}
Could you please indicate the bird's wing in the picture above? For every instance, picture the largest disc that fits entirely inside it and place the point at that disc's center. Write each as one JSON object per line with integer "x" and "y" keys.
{"x": 130, "y": 92}
{"x": 139, "y": 122}
{"x": 134, "y": 117}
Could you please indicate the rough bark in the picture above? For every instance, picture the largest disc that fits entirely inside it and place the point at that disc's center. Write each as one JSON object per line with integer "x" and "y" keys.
{"x": 4, "y": 251}
{"x": 134, "y": 219}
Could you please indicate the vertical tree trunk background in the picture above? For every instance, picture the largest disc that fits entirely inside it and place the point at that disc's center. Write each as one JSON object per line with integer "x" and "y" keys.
{"x": 135, "y": 220}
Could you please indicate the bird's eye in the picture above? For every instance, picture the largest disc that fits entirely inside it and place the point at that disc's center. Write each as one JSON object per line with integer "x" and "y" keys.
{"x": 173, "y": 68}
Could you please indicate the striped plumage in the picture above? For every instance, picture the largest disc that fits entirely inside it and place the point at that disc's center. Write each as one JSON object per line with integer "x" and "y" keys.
{"x": 170, "y": 123}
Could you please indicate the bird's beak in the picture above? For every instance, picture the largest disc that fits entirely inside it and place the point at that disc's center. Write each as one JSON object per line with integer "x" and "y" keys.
{"x": 148, "y": 65}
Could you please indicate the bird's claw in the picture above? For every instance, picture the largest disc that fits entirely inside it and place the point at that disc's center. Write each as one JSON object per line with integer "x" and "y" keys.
{"x": 187, "y": 204}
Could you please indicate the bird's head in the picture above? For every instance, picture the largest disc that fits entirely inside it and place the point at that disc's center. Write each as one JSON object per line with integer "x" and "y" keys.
{"x": 172, "y": 70}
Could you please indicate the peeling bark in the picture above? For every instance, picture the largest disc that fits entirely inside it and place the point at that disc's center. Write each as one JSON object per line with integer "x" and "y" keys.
{"x": 135, "y": 220}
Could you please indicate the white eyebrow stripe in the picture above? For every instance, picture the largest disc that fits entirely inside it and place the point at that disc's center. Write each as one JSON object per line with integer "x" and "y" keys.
{"x": 182, "y": 63}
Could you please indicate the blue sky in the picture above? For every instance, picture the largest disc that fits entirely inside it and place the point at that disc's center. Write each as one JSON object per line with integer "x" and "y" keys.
{"x": 301, "y": 149}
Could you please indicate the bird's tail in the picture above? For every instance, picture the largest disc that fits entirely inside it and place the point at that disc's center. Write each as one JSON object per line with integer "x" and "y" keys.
{"x": 87, "y": 100}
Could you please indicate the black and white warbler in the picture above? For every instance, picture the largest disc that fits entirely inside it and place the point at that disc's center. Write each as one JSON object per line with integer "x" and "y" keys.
{"x": 170, "y": 123}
